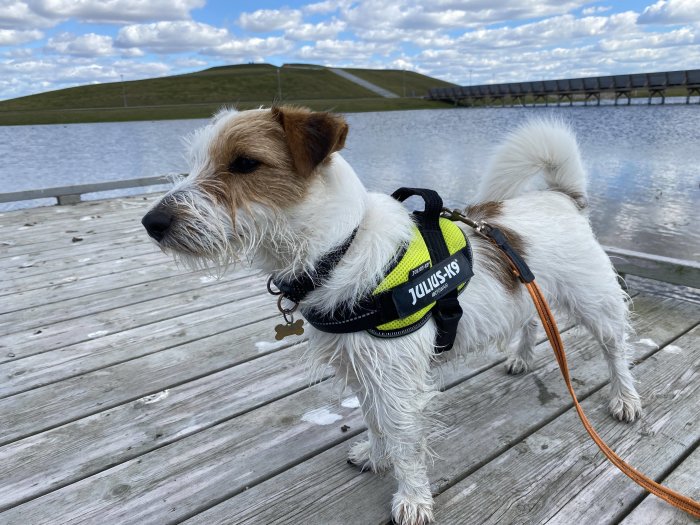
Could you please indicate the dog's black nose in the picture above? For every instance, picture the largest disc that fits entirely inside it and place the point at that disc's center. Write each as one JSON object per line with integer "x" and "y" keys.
{"x": 157, "y": 223}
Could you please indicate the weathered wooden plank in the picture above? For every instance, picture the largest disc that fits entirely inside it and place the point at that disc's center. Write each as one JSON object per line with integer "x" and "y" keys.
{"x": 45, "y": 337}
{"x": 243, "y": 377}
{"x": 660, "y": 268}
{"x": 132, "y": 243}
{"x": 35, "y": 235}
{"x": 61, "y": 235}
{"x": 81, "y": 189}
{"x": 15, "y": 319}
{"x": 230, "y": 456}
{"x": 557, "y": 475}
{"x": 75, "y": 273}
{"x": 653, "y": 511}
{"x": 41, "y": 267}
{"x": 483, "y": 417}
{"x": 12, "y": 218}
{"x": 155, "y": 276}
{"x": 28, "y": 226}
{"x": 36, "y": 410}
{"x": 40, "y": 369}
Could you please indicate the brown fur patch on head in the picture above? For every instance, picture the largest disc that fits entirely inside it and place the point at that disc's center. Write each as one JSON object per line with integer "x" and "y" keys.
{"x": 286, "y": 143}
{"x": 492, "y": 258}
{"x": 311, "y": 136}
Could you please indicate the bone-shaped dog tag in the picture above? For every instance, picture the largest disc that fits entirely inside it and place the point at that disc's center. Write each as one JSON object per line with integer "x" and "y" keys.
{"x": 284, "y": 330}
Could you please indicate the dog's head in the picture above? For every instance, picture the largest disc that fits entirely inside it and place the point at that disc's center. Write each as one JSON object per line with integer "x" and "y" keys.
{"x": 247, "y": 169}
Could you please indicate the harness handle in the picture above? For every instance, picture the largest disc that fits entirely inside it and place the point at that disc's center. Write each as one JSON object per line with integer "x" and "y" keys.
{"x": 428, "y": 220}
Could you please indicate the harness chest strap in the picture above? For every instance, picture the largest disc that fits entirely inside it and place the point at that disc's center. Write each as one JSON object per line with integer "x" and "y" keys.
{"x": 520, "y": 270}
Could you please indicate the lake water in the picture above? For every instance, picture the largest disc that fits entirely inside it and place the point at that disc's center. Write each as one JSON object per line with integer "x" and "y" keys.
{"x": 643, "y": 162}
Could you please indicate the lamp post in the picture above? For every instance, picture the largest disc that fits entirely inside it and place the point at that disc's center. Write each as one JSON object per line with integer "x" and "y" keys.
{"x": 279, "y": 85}
{"x": 123, "y": 91}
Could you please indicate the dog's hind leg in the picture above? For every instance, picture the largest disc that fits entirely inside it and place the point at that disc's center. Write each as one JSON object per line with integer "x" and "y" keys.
{"x": 602, "y": 309}
{"x": 625, "y": 403}
{"x": 521, "y": 361}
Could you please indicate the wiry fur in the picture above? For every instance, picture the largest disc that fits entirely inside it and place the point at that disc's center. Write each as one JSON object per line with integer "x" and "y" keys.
{"x": 393, "y": 376}
{"x": 538, "y": 147}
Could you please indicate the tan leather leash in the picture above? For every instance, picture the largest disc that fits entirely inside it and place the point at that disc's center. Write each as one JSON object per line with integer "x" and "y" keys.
{"x": 522, "y": 272}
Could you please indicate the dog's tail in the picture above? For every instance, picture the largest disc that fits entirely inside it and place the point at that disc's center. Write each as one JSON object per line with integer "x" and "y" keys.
{"x": 540, "y": 146}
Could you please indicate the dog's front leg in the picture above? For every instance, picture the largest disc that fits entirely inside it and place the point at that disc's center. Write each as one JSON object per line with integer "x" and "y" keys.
{"x": 395, "y": 387}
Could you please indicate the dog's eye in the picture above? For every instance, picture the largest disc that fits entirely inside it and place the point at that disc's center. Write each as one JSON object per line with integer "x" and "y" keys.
{"x": 243, "y": 165}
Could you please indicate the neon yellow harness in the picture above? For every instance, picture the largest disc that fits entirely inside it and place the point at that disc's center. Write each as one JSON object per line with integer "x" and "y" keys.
{"x": 414, "y": 261}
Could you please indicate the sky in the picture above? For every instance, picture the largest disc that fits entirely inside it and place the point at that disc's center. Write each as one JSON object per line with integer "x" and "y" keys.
{"x": 54, "y": 44}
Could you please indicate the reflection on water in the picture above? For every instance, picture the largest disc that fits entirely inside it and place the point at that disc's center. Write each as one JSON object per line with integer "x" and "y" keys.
{"x": 643, "y": 162}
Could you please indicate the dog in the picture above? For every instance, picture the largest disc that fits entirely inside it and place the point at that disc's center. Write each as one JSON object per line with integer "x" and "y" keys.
{"x": 269, "y": 187}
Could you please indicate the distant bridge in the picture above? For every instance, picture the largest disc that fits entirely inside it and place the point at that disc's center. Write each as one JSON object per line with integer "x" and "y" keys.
{"x": 621, "y": 86}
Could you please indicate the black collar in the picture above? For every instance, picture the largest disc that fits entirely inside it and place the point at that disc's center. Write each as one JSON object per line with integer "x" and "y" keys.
{"x": 297, "y": 289}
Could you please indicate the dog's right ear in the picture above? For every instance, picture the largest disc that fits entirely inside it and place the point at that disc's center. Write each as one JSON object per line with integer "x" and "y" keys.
{"x": 311, "y": 136}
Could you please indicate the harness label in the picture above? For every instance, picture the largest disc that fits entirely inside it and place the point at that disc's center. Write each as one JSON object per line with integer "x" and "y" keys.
{"x": 432, "y": 285}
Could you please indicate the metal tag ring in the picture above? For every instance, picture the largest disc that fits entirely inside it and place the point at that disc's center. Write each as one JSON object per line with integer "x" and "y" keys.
{"x": 286, "y": 311}
{"x": 269, "y": 288}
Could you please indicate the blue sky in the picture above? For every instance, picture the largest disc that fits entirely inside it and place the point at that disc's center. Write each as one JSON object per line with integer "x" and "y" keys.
{"x": 52, "y": 44}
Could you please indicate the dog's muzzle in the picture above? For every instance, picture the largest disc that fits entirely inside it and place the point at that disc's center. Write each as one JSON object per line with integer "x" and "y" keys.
{"x": 157, "y": 222}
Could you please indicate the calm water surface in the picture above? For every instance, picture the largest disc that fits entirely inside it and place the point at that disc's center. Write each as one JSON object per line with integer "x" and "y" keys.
{"x": 643, "y": 162}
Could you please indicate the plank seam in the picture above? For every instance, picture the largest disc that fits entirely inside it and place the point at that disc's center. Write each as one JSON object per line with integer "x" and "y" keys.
{"x": 122, "y": 361}
{"x": 203, "y": 286}
{"x": 59, "y": 485}
{"x": 105, "y": 407}
{"x": 549, "y": 420}
{"x": 660, "y": 478}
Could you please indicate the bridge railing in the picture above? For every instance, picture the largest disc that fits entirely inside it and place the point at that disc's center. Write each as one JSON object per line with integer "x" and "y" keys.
{"x": 618, "y": 84}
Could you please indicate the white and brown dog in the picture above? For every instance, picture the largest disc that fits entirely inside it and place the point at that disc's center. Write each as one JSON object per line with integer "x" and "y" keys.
{"x": 268, "y": 186}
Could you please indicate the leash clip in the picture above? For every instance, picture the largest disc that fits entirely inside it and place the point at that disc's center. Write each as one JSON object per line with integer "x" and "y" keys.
{"x": 458, "y": 216}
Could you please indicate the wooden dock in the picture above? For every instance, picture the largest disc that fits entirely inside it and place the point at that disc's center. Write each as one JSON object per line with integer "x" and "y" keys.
{"x": 133, "y": 392}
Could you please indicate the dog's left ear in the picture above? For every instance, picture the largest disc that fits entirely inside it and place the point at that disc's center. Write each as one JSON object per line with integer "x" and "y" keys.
{"x": 311, "y": 136}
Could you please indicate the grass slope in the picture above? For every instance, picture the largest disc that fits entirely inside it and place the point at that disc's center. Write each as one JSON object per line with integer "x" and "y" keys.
{"x": 197, "y": 95}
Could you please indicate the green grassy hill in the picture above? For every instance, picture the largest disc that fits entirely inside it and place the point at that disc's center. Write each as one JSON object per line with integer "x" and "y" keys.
{"x": 197, "y": 95}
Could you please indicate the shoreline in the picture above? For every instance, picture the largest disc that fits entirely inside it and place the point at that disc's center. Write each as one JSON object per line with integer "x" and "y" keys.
{"x": 203, "y": 110}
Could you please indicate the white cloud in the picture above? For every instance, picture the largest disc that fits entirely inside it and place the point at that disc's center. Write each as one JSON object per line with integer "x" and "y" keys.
{"x": 325, "y": 7}
{"x": 18, "y": 14}
{"x": 116, "y": 11}
{"x": 266, "y": 20}
{"x": 171, "y": 37}
{"x": 441, "y": 14}
{"x": 334, "y": 51}
{"x": 189, "y": 62}
{"x": 13, "y": 37}
{"x": 320, "y": 31}
{"x": 595, "y": 10}
{"x": 30, "y": 75}
{"x": 87, "y": 45}
{"x": 565, "y": 30}
{"x": 671, "y": 12}
{"x": 251, "y": 49}
{"x": 650, "y": 40}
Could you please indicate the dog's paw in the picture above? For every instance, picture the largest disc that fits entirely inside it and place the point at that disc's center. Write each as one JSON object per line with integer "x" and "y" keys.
{"x": 411, "y": 511}
{"x": 360, "y": 456}
{"x": 626, "y": 408}
{"x": 515, "y": 365}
